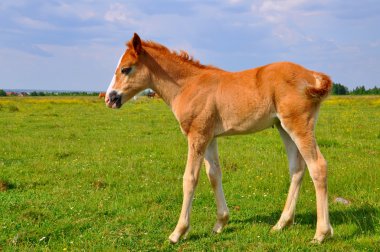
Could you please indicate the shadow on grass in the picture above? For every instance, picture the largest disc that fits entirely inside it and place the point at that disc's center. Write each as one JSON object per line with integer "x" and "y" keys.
{"x": 208, "y": 234}
{"x": 365, "y": 218}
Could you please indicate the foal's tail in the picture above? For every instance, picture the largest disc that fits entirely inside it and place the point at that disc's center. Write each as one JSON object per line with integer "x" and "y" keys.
{"x": 321, "y": 88}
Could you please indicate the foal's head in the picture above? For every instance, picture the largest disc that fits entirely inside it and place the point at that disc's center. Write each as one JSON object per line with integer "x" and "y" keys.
{"x": 131, "y": 75}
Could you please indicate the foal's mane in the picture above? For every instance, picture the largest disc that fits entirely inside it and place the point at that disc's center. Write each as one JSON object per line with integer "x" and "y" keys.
{"x": 181, "y": 55}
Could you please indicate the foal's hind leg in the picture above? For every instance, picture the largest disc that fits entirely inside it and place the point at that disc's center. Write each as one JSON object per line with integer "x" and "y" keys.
{"x": 214, "y": 174}
{"x": 301, "y": 130}
{"x": 296, "y": 170}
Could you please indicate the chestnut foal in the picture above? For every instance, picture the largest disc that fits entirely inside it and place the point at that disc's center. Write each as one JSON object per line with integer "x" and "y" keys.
{"x": 209, "y": 102}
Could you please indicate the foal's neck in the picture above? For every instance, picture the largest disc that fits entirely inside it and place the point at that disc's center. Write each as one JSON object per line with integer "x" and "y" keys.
{"x": 170, "y": 74}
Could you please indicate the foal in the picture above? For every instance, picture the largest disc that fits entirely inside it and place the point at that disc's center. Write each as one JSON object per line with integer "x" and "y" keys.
{"x": 209, "y": 102}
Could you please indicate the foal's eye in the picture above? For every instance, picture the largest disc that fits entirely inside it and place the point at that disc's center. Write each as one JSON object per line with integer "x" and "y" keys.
{"x": 126, "y": 70}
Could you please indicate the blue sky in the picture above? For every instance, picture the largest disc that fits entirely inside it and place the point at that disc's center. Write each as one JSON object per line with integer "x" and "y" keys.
{"x": 75, "y": 45}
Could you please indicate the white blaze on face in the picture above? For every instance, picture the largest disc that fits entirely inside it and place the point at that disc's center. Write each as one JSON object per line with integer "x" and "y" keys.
{"x": 110, "y": 87}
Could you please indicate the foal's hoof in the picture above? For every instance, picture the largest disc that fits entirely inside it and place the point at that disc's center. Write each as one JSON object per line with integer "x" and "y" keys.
{"x": 276, "y": 228}
{"x": 218, "y": 228}
{"x": 321, "y": 237}
{"x": 221, "y": 223}
{"x": 281, "y": 225}
{"x": 176, "y": 236}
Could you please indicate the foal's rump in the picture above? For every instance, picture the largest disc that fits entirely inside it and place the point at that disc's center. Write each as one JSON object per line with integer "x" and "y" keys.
{"x": 294, "y": 79}
{"x": 321, "y": 87}
{"x": 297, "y": 90}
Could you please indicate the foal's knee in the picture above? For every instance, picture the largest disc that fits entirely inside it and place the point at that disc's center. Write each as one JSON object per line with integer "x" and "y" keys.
{"x": 189, "y": 183}
{"x": 319, "y": 172}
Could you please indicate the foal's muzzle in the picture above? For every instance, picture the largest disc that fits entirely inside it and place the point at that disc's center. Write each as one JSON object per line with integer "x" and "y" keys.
{"x": 113, "y": 100}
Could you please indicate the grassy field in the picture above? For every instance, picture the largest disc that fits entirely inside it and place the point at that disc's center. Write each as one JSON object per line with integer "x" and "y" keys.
{"x": 75, "y": 175}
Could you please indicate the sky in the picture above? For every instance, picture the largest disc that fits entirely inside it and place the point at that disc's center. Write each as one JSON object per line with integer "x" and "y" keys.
{"x": 75, "y": 45}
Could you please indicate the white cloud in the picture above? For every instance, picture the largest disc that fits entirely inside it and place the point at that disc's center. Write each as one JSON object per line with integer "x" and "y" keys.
{"x": 375, "y": 43}
{"x": 289, "y": 20}
{"x": 119, "y": 13}
{"x": 280, "y": 5}
{"x": 7, "y": 4}
{"x": 286, "y": 34}
{"x": 235, "y": 1}
{"x": 34, "y": 23}
{"x": 275, "y": 11}
{"x": 78, "y": 10}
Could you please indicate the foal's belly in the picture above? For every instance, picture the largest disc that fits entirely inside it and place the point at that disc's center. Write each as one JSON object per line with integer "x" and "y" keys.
{"x": 243, "y": 107}
{"x": 246, "y": 125}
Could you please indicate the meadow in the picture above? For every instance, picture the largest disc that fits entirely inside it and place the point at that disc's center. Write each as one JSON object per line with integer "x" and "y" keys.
{"x": 75, "y": 175}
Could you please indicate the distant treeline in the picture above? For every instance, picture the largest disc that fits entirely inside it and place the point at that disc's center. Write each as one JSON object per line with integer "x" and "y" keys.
{"x": 35, "y": 93}
{"x": 339, "y": 89}
{"x": 46, "y": 93}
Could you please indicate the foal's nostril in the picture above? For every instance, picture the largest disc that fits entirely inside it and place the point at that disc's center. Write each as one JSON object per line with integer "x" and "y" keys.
{"x": 113, "y": 96}
{"x": 115, "y": 99}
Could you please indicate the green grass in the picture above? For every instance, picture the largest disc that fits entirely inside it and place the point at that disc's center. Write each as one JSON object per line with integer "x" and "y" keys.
{"x": 75, "y": 175}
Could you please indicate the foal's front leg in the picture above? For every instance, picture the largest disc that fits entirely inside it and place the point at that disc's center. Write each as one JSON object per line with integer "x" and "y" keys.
{"x": 196, "y": 149}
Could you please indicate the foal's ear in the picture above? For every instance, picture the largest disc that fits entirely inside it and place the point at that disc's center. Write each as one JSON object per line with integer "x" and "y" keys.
{"x": 136, "y": 43}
